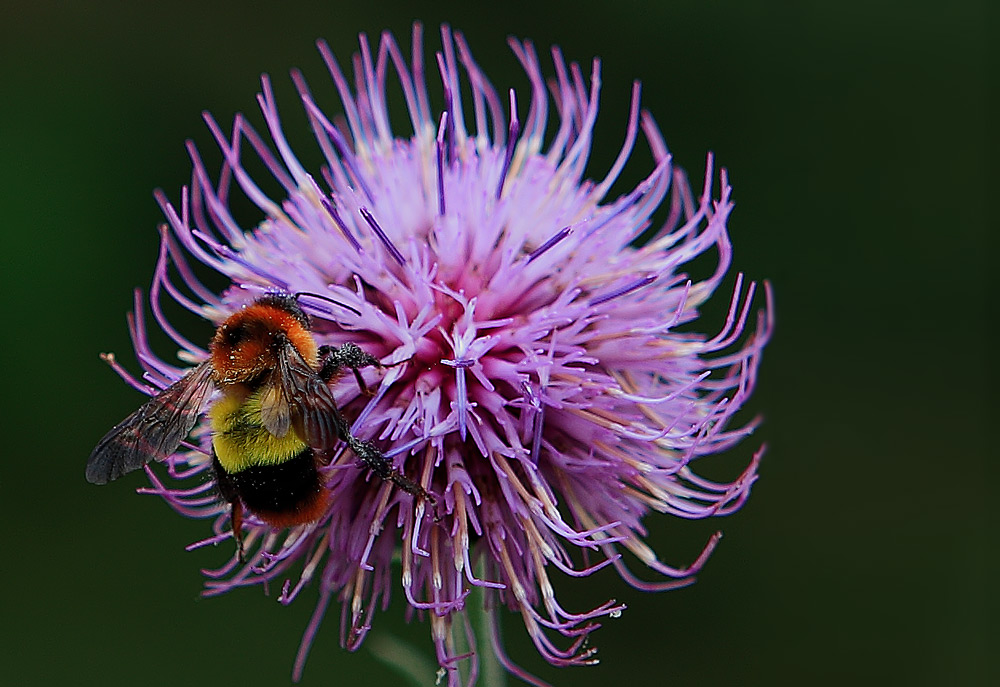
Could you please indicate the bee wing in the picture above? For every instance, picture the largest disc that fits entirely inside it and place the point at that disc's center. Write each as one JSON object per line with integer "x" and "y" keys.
{"x": 276, "y": 404}
{"x": 154, "y": 431}
{"x": 298, "y": 395}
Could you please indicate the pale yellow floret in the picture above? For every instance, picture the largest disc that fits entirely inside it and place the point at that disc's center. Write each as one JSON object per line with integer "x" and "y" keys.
{"x": 240, "y": 439}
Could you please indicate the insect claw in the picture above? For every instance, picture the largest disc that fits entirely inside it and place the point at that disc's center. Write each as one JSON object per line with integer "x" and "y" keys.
{"x": 361, "y": 383}
{"x": 438, "y": 517}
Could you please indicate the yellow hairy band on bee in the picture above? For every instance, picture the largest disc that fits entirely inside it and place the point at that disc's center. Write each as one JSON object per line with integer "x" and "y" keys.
{"x": 240, "y": 439}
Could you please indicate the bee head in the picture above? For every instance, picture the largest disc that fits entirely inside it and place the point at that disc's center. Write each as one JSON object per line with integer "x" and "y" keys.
{"x": 249, "y": 342}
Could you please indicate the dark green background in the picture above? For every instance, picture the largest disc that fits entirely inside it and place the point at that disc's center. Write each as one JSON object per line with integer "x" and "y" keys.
{"x": 855, "y": 135}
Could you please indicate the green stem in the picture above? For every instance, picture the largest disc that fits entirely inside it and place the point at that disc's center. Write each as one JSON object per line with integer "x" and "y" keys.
{"x": 491, "y": 673}
{"x": 402, "y": 658}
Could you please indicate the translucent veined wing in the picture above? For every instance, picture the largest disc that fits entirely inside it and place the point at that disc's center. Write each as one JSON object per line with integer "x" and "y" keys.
{"x": 276, "y": 404}
{"x": 297, "y": 396}
{"x": 154, "y": 431}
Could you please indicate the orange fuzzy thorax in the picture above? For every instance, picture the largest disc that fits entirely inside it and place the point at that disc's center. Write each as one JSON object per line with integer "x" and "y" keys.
{"x": 244, "y": 346}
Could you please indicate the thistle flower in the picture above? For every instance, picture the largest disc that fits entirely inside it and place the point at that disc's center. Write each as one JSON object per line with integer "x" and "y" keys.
{"x": 543, "y": 384}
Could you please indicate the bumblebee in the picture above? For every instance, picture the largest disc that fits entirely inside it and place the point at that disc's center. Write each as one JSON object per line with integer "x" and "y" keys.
{"x": 274, "y": 425}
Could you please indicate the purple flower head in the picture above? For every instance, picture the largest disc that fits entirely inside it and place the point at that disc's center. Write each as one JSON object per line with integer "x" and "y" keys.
{"x": 539, "y": 378}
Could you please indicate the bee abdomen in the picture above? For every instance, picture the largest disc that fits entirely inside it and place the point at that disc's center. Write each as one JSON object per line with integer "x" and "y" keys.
{"x": 281, "y": 494}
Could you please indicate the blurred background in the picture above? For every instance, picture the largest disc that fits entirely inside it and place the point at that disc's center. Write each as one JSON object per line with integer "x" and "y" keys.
{"x": 855, "y": 136}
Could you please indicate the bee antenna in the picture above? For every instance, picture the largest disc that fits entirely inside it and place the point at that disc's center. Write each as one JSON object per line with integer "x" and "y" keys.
{"x": 345, "y": 306}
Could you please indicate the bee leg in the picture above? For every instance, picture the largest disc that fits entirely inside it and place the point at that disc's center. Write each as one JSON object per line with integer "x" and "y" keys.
{"x": 382, "y": 467}
{"x": 227, "y": 490}
{"x": 236, "y": 522}
{"x": 334, "y": 359}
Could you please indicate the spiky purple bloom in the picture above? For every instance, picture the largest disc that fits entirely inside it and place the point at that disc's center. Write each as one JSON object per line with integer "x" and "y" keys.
{"x": 548, "y": 392}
